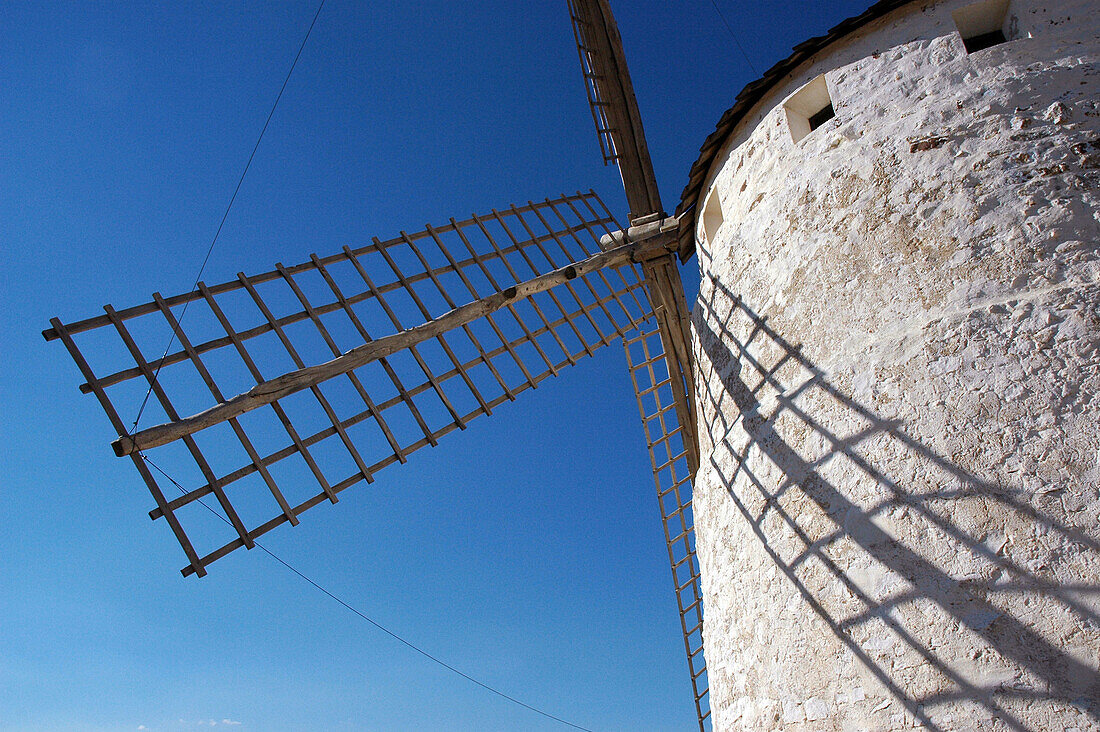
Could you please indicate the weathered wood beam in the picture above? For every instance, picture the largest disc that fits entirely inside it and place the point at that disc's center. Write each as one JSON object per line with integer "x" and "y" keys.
{"x": 303, "y": 378}
{"x": 621, "y": 107}
{"x": 632, "y": 136}
{"x": 670, "y": 305}
{"x": 643, "y": 229}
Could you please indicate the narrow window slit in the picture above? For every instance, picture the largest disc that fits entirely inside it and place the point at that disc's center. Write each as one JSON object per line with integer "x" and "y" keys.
{"x": 821, "y": 117}
{"x": 985, "y": 40}
{"x": 713, "y": 216}
{"x": 982, "y": 25}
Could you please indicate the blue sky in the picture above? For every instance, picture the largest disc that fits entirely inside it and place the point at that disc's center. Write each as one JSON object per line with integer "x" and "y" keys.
{"x": 526, "y": 551}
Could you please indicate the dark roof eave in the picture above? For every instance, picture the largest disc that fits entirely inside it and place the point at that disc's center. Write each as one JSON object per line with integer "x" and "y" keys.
{"x": 746, "y": 99}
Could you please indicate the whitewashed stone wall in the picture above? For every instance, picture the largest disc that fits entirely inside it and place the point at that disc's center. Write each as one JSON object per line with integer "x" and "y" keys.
{"x": 898, "y": 521}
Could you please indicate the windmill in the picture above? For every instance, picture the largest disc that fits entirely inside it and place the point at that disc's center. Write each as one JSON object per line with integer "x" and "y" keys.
{"x": 323, "y": 373}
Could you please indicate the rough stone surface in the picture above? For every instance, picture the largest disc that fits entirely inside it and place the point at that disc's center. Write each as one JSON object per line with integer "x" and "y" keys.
{"x": 898, "y": 354}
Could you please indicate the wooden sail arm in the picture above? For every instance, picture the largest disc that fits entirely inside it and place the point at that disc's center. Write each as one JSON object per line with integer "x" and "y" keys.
{"x": 666, "y": 296}
{"x": 615, "y": 107}
{"x": 655, "y": 371}
{"x": 271, "y": 390}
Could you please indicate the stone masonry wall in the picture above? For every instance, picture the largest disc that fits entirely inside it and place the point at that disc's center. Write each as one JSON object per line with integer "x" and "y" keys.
{"x": 898, "y": 355}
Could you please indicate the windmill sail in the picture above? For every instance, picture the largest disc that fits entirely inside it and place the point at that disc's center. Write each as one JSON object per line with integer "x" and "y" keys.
{"x": 288, "y": 387}
{"x": 453, "y": 320}
{"x": 671, "y": 451}
{"x": 663, "y": 345}
{"x": 614, "y": 107}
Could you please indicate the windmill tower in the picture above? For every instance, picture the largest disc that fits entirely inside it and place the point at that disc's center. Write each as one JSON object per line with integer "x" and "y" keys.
{"x": 898, "y": 349}
{"x": 325, "y": 372}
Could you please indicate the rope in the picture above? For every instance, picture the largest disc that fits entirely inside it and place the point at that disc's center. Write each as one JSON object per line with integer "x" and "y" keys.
{"x": 734, "y": 37}
{"x": 373, "y": 622}
{"x": 225, "y": 215}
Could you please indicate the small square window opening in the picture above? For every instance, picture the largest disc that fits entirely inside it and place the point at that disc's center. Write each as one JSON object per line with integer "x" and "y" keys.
{"x": 809, "y": 108}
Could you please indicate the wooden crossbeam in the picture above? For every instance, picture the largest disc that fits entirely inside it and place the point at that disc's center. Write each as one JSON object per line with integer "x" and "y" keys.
{"x": 316, "y": 438}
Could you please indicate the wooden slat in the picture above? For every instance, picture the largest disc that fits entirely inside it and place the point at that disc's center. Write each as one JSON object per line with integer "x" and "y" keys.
{"x": 601, "y": 274}
{"x": 313, "y": 439}
{"x": 406, "y": 397}
{"x": 180, "y": 356}
{"x": 365, "y": 335}
{"x": 606, "y": 64}
{"x": 607, "y": 230}
{"x": 277, "y": 408}
{"x": 327, "y": 338}
{"x": 438, "y": 337}
{"x": 293, "y": 353}
{"x": 534, "y": 303}
{"x": 139, "y": 462}
{"x": 553, "y": 296}
{"x": 217, "y": 394}
{"x": 663, "y": 284}
{"x": 189, "y": 441}
{"x": 100, "y": 321}
{"x": 679, "y": 539}
{"x": 453, "y": 306}
{"x": 604, "y": 338}
{"x": 308, "y": 377}
{"x": 569, "y": 258}
{"x": 581, "y": 29}
{"x": 512, "y": 311}
{"x": 524, "y": 244}
{"x": 347, "y": 483}
{"x": 476, "y": 296}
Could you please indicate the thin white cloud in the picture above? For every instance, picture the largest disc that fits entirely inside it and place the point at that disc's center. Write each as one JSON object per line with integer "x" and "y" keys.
{"x": 207, "y": 723}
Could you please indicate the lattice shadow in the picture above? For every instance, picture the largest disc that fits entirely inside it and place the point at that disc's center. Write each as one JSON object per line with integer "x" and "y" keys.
{"x": 788, "y": 470}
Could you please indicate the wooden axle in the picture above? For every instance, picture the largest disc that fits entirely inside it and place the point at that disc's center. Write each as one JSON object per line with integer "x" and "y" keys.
{"x": 303, "y": 378}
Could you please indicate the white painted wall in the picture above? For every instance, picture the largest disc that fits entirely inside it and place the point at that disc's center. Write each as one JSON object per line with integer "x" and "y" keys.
{"x": 898, "y": 523}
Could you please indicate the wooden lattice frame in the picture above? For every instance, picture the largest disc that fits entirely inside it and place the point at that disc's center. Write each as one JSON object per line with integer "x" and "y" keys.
{"x": 560, "y": 275}
{"x": 667, "y": 420}
{"x": 613, "y": 104}
{"x": 583, "y": 31}
{"x": 436, "y": 271}
{"x": 658, "y": 354}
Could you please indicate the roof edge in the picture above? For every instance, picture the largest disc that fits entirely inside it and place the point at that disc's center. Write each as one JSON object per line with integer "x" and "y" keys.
{"x": 746, "y": 99}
